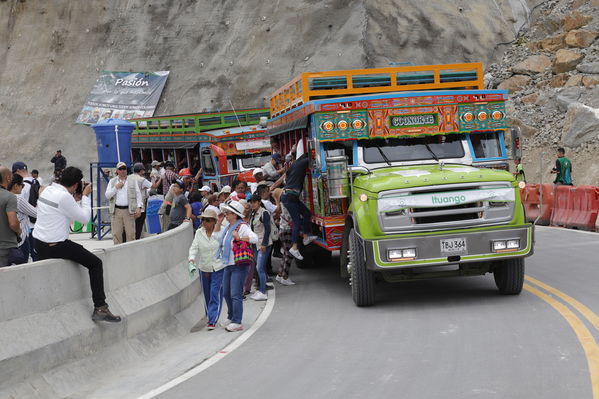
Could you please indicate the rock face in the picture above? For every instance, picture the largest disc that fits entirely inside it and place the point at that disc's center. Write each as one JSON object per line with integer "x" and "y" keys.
{"x": 588, "y": 68}
{"x": 581, "y": 125}
{"x": 575, "y": 20}
{"x": 580, "y": 38}
{"x": 533, "y": 64}
{"x": 554, "y": 43}
{"x": 515, "y": 83}
{"x": 218, "y": 53}
{"x": 566, "y": 60}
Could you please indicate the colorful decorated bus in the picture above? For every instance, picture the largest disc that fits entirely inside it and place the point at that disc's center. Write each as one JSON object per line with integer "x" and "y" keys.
{"x": 408, "y": 175}
{"x": 225, "y": 144}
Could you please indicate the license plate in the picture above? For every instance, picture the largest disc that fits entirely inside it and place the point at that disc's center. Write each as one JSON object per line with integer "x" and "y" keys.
{"x": 453, "y": 246}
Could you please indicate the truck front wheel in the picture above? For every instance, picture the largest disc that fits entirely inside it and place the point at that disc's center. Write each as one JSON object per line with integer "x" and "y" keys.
{"x": 362, "y": 279}
{"x": 509, "y": 276}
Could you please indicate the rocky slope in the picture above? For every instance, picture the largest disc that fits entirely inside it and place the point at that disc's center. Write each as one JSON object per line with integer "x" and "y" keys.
{"x": 552, "y": 73}
{"x": 236, "y": 52}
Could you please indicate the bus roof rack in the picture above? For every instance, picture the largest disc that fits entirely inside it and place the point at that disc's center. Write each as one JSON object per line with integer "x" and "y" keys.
{"x": 317, "y": 85}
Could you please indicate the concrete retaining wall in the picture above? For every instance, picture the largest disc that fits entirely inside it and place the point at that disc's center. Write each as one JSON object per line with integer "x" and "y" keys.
{"x": 45, "y": 310}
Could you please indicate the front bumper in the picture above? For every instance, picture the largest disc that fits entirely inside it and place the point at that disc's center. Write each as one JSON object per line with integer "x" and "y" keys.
{"x": 428, "y": 248}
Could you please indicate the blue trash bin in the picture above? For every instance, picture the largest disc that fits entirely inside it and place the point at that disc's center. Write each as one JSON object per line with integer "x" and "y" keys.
{"x": 152, "y": 216}
{"x": 107, "y": 132}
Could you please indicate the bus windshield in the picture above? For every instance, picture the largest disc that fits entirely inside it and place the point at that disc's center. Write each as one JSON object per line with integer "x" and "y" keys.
{"x": 412, "y": 149}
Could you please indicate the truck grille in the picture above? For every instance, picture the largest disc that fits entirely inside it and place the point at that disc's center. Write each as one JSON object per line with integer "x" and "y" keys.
{"x": 445, "y": 217}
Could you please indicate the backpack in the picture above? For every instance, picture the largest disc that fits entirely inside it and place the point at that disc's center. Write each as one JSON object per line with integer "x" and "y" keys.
{"x": 34, "y": 194}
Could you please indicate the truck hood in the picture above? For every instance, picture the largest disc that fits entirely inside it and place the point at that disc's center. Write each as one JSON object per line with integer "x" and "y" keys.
{"x": 426, "y": 175}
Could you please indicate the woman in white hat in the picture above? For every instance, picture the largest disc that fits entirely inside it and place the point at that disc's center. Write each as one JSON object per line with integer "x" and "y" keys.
{"x": 234, "y": 275}
{"x": 203, "y": 256}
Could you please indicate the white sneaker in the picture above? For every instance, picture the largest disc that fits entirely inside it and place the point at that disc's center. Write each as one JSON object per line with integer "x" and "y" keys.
{"x": 307, "y": 240}
{"x": 225, "y": 323}
{"x": 287, "y": 281}
{"x": 296, "y": 253}
{"x": 278, "y": 278}
{"x": 259, "y": 296}
{"x": 232, "y": 327}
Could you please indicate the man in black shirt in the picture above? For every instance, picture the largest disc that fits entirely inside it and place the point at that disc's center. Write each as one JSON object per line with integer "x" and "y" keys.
{"x": 300, "y": 214}
{"x": 59, "y": 161}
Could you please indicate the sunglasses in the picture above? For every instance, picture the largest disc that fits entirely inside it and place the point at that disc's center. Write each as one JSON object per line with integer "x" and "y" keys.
{"x": 123, "y": 168}
{"x": 208, "y": 220}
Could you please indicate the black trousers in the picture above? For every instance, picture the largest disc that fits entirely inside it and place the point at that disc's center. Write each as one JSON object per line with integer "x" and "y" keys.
{"x": 139, "y": 225}
{"x": 77, "y": 253}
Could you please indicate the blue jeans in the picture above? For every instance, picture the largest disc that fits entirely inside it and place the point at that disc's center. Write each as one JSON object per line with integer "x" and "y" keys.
{"x": 212, "y": 285}
{"x": 261, "y": 259}
{"x": 233, "y": 279}
{"x": 299, "y": 214}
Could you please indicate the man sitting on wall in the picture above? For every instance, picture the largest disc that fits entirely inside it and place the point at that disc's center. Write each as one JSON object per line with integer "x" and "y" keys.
{"x": 56, "y": 210}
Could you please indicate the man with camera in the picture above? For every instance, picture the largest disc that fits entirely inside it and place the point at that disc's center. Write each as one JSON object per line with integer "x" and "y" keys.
{"x": 57, "y": 208}
{"x": 125, "y": 204}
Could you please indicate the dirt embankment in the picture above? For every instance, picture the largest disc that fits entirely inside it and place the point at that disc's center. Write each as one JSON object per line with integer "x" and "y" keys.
{"x": 219, "y": 53}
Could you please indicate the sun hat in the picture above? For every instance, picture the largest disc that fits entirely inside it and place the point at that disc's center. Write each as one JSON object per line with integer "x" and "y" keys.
{"x": 256, "y": 171}
{"x": 235, "y": 207}
{"x": 205, "y": 188}
{"x": 209, "y": 214}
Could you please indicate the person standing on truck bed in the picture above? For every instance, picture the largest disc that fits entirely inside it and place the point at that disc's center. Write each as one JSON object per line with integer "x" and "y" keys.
{"x": 300, "y": 214}
{"x": 563, "y": 169}
{"x": 519, "y": 173}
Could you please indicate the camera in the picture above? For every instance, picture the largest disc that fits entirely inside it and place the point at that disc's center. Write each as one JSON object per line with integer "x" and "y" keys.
{"x": 80, "y": 186}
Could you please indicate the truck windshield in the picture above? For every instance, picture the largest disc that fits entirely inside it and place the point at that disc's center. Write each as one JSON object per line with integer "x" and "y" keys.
{"x": 412, "y": 149}
{"x": 255, "y": 161}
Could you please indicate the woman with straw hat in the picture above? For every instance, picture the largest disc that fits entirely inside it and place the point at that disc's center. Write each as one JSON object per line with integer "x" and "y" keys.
{"x": 203, "y": 256}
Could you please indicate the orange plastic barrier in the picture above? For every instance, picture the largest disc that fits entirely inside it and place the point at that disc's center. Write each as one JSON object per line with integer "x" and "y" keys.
{"x": 584, "y": 201}
{"x": 531, "y": 201}
{"x": 563, "y": 206}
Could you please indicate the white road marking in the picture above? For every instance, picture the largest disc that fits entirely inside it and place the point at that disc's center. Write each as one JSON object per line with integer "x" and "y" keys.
{"x": 270, "y": 303}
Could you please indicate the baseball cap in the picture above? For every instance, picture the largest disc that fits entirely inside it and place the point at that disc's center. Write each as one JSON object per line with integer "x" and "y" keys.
{"x": 121, "y": 164}
{"x": 18, "y": 166}
{"x": 180, "y": 183}
{"x": 205, "y": 188}
{"x": 226, "y": 189}
{"x": 138, "y": 166}
{"x": 276, "y": 157}
{"x": 155, "y": 163}
{"x": 256, "y": 171}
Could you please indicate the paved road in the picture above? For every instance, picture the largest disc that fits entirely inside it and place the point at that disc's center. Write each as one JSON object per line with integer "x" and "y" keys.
{"x": 450, "y": 338}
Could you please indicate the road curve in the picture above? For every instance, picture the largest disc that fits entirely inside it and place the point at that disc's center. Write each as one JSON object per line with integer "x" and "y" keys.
{"x": 450, "y": 338}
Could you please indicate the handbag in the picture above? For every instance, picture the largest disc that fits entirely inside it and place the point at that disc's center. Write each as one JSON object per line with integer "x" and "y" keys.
{"x": 243, "y": 254}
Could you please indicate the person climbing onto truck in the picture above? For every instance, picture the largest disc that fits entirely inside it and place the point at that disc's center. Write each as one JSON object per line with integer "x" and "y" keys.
{"x": 300, "y": 214}
{"x": 563, "y": 169}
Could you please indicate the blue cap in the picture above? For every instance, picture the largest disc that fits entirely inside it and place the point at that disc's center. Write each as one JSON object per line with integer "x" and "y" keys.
{"x": 276, "y": 157}
{"x": 18, "y": 166}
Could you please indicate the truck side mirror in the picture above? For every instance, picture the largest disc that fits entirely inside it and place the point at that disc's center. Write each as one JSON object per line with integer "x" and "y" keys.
{"x": 516, "y": 142}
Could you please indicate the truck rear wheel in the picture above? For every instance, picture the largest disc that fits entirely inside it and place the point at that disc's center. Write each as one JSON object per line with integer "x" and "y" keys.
{"x": 362, "y": 279}
{"x": 509, "y": 276}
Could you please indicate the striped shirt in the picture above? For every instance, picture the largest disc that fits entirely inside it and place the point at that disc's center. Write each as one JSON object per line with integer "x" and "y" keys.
{"x": 24, "y": 210}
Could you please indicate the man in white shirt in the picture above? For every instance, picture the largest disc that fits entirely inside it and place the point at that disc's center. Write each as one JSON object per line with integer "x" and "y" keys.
{"x": 125, "y": 204}
{"x": 56, "y": 209}
{"x": 273, "y": 169}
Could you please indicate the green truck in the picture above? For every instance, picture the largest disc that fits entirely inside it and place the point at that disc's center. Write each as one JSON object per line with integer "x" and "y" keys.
{"x": 409, "y": 175}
